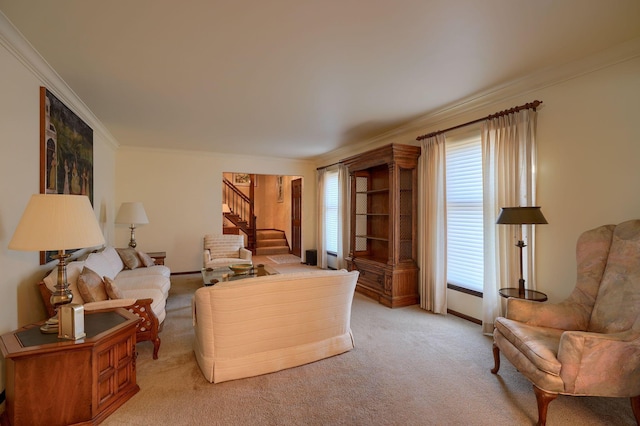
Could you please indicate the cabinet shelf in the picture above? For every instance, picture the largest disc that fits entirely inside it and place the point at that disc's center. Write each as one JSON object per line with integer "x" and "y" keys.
{"x": 371, "y": 237}
{"x": 383, "y": 211}
{"x": 373, "y": 191}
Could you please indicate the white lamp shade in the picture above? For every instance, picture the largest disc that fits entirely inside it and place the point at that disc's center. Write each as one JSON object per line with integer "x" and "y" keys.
{"x": 57, "y": 222}
{"x": 225, "y": 208}
{"x": 132, "y": 213}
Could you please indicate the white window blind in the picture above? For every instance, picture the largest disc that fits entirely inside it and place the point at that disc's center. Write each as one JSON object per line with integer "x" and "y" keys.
{"x": 464, "y": 213}
{"x": 331, "y": 210}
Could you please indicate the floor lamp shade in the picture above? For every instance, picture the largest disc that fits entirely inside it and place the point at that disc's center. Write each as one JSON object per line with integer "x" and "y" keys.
{"x": 57, "y": 222}
{"x": 521, "y": 216}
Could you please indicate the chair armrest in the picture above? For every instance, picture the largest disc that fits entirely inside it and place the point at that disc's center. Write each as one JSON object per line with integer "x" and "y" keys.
{"x": 245, "y": 253}
{"x": 599, "y": 363}
{"x": 206, "y": 256}
{"x": 563, "y": 316}
{"x": 45, "y": 293}
{"x": 108, "y": 304}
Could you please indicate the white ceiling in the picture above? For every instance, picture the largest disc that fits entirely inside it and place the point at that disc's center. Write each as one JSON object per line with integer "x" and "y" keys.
{"x": 299, "y": 78}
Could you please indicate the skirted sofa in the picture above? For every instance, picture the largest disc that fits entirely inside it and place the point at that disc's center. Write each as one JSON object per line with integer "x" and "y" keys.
{"x": 118, "y": 278}
{"x": 260, "y": 325}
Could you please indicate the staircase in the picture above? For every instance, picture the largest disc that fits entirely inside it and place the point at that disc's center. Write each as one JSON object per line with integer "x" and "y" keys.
{"x": 271, "y": 241}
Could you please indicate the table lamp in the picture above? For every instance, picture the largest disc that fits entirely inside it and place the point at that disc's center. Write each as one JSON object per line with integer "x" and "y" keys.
{"x": 521, "y": 216}
{"x": 132, "y": 213}
{"x": 57, "y": 222}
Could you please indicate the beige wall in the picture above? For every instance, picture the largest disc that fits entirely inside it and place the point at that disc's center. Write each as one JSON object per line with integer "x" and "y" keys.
{"x": 589, "y": 150}
{"x": 182, "y": 195}
{"x": 588, "y": 160}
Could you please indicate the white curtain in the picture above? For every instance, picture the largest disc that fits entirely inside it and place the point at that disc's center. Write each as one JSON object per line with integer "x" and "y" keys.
{"x": 320, "y": 231}
{"x": 509, "y": 162}
{"x": 432, "y": 225}
{"x": 343, "y": 215}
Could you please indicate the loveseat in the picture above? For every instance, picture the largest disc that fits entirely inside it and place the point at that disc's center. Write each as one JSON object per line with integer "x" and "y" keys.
{"x": 224, "y": 249}
{"x": 260, "y": 325}
{"x": 118, "y": 278}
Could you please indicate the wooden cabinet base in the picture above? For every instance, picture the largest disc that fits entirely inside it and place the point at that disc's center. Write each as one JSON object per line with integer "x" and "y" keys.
{"x": 392, "y": 287}
{"x": 71, "y": 382}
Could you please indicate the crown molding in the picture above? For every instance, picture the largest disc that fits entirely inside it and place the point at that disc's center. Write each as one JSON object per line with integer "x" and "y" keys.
{"x": 538, "y": 80}
{"x": 16, "y": 44}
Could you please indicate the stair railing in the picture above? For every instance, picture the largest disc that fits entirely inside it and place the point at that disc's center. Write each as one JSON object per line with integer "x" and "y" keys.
{"x": 242, "y": 206}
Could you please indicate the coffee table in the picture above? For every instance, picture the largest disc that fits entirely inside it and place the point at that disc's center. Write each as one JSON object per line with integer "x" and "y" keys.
{"x": 211, "y": 276}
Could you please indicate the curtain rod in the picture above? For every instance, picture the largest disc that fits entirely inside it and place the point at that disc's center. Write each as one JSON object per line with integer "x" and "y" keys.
{"x": 531, "y": 105}
{"x": 330, "y": 165}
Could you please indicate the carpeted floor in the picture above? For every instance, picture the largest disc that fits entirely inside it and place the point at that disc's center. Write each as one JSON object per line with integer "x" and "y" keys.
{"x": 409, "y": 367}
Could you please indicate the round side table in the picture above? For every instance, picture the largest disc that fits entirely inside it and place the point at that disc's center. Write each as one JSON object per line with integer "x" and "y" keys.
{"x": 537, "y": 296}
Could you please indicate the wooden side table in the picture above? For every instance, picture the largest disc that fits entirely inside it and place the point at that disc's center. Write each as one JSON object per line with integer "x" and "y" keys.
{"x": 158, "y": 256}
{"x": 51, "y": 381}
{"x": 537, "y": 296}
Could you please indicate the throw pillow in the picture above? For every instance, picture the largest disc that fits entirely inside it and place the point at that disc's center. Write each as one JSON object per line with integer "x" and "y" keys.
{"x": 129, "y": 257}
{"x": 112, "y": 289}
{"x": 146, "y": 259}
{"x": 91, "y": 286}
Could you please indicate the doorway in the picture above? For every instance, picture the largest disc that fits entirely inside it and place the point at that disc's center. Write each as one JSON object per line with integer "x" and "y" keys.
{"x": 272, "y": 206}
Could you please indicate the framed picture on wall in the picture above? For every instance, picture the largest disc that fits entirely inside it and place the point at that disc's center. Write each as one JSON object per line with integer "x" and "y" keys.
{"x": 244, "y": 179}
{"x": 279, "y": 189}
{"x": 66, "y": 152}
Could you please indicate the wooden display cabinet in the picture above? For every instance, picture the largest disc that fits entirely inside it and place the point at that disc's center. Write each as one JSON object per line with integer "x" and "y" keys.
{"x": 384, "y": 204}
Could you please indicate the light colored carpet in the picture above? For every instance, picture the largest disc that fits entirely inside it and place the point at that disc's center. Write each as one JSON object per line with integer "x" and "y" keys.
{"x": 409, "y": 367}
{"x": 283, "y": 258}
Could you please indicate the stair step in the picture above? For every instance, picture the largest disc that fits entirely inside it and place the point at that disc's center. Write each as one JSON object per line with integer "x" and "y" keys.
{"x": 265, "y": 251}
{"x": 269, "y": 234}
{"x": 271, "y": 243}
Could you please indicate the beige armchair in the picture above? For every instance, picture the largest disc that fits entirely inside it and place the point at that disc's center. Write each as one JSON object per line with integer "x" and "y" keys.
{"x": 224, "y": 250}
{"x": 589, "y": 344}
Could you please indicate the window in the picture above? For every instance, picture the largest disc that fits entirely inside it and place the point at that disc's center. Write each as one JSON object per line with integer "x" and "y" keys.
{"x": 465, "y": 258}
{"x": 331, "y": 210}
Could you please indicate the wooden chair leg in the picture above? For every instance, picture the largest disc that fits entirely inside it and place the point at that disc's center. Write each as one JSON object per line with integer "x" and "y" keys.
{"x": 156, "y": 347}
{"x": 496, "y": 359}
{"x": 635, "y": 406}
{"x": 543, "y": 398}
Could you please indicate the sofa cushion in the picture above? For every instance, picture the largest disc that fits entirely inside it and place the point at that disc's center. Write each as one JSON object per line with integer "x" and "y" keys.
{"x": 112, "y": 289}
{"x": 91, "y": 286}
{"x": 538, "y": 344}
{"x": 113, "y": 259}
{"x": 126, "y": 281}
{"x": 145, "y": 272}
{"x": 101, "y": 265}
{"x": 129, "y": 257}
{"x": 146, "y": 259}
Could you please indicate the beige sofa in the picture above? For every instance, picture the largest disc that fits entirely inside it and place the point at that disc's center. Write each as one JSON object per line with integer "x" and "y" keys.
{"x": 144, "y": 290}
{"x": 265, "y": 324}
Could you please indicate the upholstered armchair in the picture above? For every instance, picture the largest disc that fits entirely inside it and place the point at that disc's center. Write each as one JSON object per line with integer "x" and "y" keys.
{"x": 224, "y": 250}
{"x": 589, "y": 344}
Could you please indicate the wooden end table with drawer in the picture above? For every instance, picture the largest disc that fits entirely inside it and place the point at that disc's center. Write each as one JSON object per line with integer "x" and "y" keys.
{"x": 158, "y": 256}
{"x": 57, "y": 381}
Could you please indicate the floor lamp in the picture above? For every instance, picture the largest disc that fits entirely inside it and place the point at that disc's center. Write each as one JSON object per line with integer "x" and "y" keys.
{"x": 521, "y": 216}
{"x": 57, "y": 222}
{"x": 132, "y": 213}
